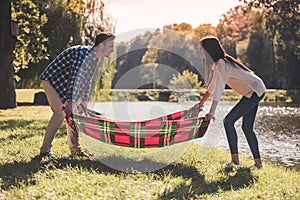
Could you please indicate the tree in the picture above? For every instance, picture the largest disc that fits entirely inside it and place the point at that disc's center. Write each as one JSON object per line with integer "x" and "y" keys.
{"x": 69, "y": 23}
{"x": 186, "y": 80}
{"x": 282, "y": 22}
{"x": 184, "y": 28}
{"x": 203, "y": 30}
{"x": 95, "y": 19}
{"x": 30, "y": 46}
{"x": 175, "y": 50}
{"x": 236, "y": 22}
{"x": 233, "y": 28}
{"x": 129, "y": 56}
{"x": 7, "y": 44}
{"x": 259, "y": 38}
{"x": 63, "y": 26}
{"x": 53, "y": 27}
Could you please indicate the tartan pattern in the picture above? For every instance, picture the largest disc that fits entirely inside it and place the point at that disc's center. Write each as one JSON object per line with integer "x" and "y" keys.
{"x": 159, "y": 132}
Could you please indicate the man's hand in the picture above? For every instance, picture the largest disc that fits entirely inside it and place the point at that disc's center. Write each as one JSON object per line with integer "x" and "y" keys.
{"x": 69, "y": 107}
{"x": 82, "y": 105}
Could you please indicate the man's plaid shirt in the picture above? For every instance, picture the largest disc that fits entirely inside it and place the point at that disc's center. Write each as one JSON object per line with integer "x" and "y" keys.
{"x": 71, "y": 72}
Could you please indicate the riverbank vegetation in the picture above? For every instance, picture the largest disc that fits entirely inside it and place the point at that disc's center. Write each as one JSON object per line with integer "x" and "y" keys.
{"x": 163, "y": 57}
{"x": 272, "y": 96}
{"x": 190, "y": 177}
{"x": 252, "y": 25}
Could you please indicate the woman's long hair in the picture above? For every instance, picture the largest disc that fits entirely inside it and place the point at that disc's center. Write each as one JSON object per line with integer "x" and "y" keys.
{"x": 216, "y": 51}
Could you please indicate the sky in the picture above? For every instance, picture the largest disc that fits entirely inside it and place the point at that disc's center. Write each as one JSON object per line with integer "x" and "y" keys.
{"x": 130, "y": 15}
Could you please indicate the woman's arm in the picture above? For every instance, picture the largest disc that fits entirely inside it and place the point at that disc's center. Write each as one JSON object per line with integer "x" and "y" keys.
{"x": 214, "y": 104}
{"x": 212, "y": 110}
{"x": 204, "y": 98}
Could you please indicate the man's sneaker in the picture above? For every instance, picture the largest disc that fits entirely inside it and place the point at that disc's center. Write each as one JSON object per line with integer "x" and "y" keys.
{"x": 48, "y": 155}
{"x": 79, "y": 153}
{"x": 231, "y": 165}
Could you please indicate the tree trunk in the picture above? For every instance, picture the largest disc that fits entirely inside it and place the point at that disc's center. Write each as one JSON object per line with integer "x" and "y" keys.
{"x": 7, "y": 45}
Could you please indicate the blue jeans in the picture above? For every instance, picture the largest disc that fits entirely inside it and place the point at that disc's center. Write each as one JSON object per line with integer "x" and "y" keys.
{"x": 246, "y": 108}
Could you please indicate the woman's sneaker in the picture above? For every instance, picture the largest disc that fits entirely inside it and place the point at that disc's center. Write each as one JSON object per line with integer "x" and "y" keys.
{"x": 255, "y": 167}
{"x": 231, "y": 165}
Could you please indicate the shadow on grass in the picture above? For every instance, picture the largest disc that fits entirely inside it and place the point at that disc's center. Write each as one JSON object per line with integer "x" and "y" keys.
{"x": 15, "y": 123}
{"x": 35, "y": 126}
{"x": 17, "y": 173}
{"x": 12, "y": 127}
{"x": 241, "y": 178}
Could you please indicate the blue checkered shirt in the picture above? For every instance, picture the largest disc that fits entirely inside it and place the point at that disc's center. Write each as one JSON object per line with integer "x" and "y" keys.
{"x": 71, "y": 73}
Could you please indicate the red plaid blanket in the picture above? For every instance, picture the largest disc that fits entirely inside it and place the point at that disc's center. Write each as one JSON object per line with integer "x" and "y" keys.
{"x": 159, "y": 132}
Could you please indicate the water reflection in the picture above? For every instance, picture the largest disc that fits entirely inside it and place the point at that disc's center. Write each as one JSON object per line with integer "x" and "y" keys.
{"x": 279, "y": 131}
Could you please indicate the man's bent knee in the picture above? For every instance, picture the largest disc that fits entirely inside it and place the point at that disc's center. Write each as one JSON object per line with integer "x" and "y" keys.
{"x": 59, "y": 115}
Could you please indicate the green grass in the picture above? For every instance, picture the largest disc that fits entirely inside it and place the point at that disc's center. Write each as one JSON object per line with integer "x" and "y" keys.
{"x": 189, "y": 177}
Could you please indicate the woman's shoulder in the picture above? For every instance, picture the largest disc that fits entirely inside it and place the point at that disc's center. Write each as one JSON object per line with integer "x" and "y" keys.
{"x": 223, "y": 65}
{"x": 227, "y": 65}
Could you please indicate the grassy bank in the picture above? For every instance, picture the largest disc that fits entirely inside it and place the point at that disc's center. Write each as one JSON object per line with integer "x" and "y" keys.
{"x": 189, "y": 177}
{"x": 26, "y": 95}
{"x": 272, "y": 96}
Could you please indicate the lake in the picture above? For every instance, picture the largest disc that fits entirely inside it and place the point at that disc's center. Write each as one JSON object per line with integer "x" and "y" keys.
{"x": 277, "y": 126}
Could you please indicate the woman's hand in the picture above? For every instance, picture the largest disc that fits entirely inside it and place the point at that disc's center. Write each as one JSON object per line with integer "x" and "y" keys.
{"x": 208, "y": 117}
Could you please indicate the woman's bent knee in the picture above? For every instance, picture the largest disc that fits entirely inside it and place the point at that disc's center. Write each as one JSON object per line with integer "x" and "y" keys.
{"x": 228, "y": 121}
{"x": 247, "y": 129}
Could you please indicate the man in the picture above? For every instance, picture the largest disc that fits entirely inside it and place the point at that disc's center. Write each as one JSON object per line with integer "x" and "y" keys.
{"x": 63, "y": 81}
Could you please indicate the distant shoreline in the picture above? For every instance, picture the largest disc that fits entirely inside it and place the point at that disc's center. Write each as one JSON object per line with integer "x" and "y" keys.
{"x": 272, "y": 95}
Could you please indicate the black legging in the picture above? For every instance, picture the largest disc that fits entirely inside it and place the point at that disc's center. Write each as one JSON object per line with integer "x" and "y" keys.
{"x": 246, "y": 108}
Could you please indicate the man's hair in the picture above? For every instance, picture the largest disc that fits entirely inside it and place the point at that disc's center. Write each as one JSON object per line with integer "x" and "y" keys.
{"x": 103, "y": 38}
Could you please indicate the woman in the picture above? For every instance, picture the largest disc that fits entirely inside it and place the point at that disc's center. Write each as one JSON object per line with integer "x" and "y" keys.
{"x": 241, "y": 79}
